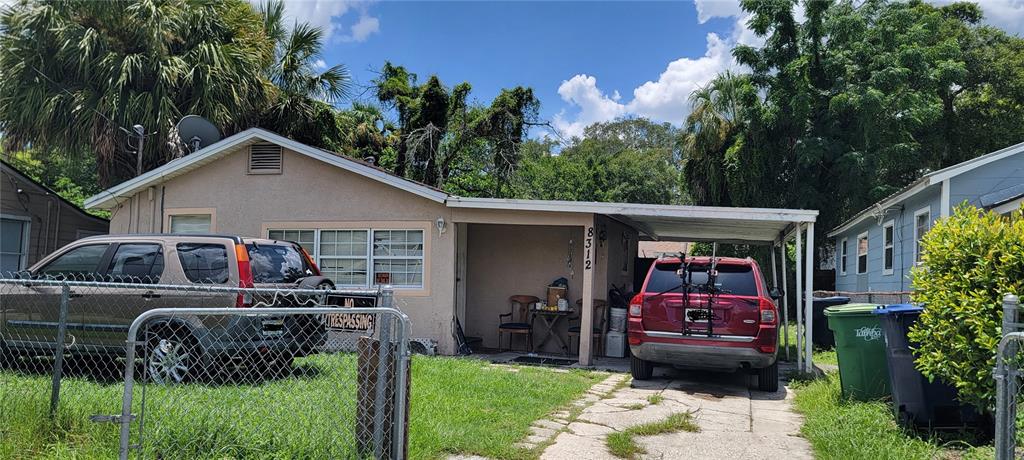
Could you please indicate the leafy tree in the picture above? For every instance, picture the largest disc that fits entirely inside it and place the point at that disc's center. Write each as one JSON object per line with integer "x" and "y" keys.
{"x": 77, "y": 73}
{"x": 302, "y": 95}
{"x": 629, "y": 160}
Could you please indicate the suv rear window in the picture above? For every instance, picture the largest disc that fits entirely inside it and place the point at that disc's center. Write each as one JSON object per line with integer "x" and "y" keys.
{"x": 277, "y": 263}
{"x": 732, "y": 279}
{"x": 204, "y": 262}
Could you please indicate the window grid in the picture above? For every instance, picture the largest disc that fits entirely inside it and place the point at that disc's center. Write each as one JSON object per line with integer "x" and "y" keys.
{"x": 922, "y": 223}
{"x": 843, "y": 254}
{"x": 862, "y": 253}
{"x": 353, "y": 257}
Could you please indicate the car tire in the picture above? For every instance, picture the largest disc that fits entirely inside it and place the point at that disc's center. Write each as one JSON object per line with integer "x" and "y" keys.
{"x": 641, "y": 369}
{"x": 768, "y": 378}
{"x": 171, "y": 357}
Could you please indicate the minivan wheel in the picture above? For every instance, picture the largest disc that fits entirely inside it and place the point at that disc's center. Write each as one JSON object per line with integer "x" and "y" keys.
{"x": 768, "y": 378}
{"x": 171, "y": 359}
{"x": 641, "y": 369}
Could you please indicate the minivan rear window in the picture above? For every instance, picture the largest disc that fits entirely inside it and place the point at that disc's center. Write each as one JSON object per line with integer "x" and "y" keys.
{"x": 732, "y": 279}
{"x": 204, "y": 262}
{"x": 276, "y": 263}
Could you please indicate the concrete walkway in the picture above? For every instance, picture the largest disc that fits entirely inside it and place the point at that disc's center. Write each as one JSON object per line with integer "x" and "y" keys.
{"x": 735, "y": 422}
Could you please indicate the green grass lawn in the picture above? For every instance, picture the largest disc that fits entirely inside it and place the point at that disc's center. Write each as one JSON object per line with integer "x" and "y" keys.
{"x": 843, "y": 429}
{"x": 457, "y": 406}
{"x": 820, "y": 356}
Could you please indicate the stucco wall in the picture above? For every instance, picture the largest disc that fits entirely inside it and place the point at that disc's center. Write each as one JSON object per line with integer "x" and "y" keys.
{"x": 505, "y": 260}
{"x": 308, "y": 193}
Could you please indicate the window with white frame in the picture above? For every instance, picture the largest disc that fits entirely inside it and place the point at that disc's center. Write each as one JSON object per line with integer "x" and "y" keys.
{"x": 14, "y": 233}
{"x": 862, "y": 253}
{"x": 922, "y": 223}
{"x": 190, "y": 223}
{"x": 363, "y": 257}
{"x": 888, "y": 249}
{"x": 844, "y": 251}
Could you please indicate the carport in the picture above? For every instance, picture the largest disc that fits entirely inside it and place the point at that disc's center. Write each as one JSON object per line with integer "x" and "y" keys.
{"x": 756, "y": 226}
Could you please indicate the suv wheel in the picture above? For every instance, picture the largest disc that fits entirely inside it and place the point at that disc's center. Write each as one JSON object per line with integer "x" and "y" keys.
{"x": 641, "y": 370}
{"x": 768, "y": 378}
{"x": 171, "y": 358}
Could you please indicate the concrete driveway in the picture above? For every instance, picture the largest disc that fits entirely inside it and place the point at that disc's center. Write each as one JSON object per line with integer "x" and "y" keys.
{"x": 735, "y": 422}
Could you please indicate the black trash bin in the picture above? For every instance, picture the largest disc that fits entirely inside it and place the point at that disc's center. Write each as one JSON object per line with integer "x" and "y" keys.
{"x": 917, "y": 402}
{"x": 822, "y": 336}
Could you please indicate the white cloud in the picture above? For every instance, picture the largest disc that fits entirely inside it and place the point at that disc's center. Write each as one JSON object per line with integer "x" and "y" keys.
{"x": 325, "y": 15}
{"x": 707, "y": 9}
{"x": 667, "y": 98}
{"x": 1004, "y": 14}
{"x": 367, "y": 25}
{"x": 320, "y": 64}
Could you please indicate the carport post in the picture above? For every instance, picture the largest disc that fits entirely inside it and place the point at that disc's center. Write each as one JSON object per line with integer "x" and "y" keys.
{"x": 799, "y": 295}
{"x": 587, "y": 315}
{"x": 809, "y": 299}
{"x": 775, "y": 285}
{"x": 785, "y": 295}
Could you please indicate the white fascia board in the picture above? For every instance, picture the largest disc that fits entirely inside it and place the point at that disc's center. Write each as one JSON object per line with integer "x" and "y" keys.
{"x": 955, "y": 170}
{"x": 632, "y": 209}
{"x": 108, "y": 198}
{"x": 914, "y": 189}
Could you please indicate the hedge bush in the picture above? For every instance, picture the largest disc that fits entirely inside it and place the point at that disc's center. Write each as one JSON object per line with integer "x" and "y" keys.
{"x": 970, "y": 260}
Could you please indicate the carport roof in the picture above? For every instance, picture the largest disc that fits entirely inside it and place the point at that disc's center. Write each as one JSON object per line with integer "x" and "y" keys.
{"x": 668, "y": 222}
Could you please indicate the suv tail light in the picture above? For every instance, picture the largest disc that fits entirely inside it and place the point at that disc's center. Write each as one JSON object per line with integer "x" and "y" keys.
{"x": 768, "y": 312}
{"x": 636, "y": 306}
{"x": 245, "y": 279}
{"x": 309, "y": 260}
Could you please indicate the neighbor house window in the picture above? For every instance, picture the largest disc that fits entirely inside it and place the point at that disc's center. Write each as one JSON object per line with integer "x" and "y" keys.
{"x": 888, "y": 250}
{"x": 844, "y": 251}
{"x": 363, "y": 257}
{"x": 922, "y": 223}
{"x": 190, "y": 223}
{"x": 14, "y": 234}
{"x": 862, "y": 253}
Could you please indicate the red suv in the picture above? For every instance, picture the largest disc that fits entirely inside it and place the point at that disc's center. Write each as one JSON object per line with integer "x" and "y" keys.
{"x": 681, "y": 318}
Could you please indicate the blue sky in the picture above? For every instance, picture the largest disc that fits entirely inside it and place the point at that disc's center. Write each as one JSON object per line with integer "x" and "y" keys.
{"x": 586, "y": 61}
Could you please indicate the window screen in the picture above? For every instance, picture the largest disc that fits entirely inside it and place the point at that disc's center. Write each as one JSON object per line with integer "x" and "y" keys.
{"x": 83, "y": 260}
{"x": 190, "y": 223}
{"x": 204, "y": 262}
{"x": 887, "y": 247}
{"x": 398, "y": 257}
{"x": 862, "y": 254}
{"x": 12, "y": 245}
{"x": 136, "y": 263}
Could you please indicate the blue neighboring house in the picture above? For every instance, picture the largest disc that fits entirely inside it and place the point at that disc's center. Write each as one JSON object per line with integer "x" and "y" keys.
{"x": 877, "y": 247}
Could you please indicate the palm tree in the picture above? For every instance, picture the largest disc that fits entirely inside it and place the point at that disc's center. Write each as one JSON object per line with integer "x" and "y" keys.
{"x": 296, "y": 76}
{"x": 78, "y": 74}
{"x": 710, "y": 130}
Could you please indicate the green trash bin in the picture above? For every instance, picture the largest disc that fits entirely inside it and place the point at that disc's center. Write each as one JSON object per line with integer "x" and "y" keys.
{"x": 860, "y": 349}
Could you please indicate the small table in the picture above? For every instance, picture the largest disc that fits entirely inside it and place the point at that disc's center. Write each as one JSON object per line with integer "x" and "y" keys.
{"x": 550, "y": 319}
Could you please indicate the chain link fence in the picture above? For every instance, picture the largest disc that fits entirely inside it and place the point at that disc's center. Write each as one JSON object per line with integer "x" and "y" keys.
{"x": 1007, "y": 373}
{"x": 200, "y": 371}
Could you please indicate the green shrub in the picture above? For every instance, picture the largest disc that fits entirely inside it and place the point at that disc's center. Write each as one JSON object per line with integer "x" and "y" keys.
{"x": 970, "y": 260}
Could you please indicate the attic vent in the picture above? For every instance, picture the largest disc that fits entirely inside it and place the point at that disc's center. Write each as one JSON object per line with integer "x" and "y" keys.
{"x": 265, "y": 158}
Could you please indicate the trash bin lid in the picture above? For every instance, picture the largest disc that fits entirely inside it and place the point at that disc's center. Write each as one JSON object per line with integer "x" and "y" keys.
{"x": 853, "y": 309}
{"x": 899, "y": 309}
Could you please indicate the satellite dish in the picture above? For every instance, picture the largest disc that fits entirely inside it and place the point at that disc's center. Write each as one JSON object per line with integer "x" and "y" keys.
{"x": 197, "y": 132}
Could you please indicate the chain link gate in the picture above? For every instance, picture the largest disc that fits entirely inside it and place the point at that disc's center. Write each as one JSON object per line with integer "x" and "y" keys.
{"x": 1008, "y": 379}
{"x": 291, "y": 373}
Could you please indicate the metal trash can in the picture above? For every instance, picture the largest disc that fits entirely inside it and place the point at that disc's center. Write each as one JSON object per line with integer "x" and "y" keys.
{"x": 916, "y": 402}
{"x": 822, "y": 335}
{"x": 860, "y": 349}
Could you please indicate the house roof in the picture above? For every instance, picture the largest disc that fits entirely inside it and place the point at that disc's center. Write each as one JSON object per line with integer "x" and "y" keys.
{"x": 659, "y": 222}
{"x": 110, "y": 197}
{"x": 929, "y": 179}
{"x": 668, "y": 222}
{"x": 30, "y": 180}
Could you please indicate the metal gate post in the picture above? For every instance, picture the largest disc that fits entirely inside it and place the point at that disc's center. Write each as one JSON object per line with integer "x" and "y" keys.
{"x": 383, "y": 351}
{"x": 402, "y": 367}
{"x": 129, "y": 388}
{"x": 1006, "y": 374}
{"x": 58, "y": 352}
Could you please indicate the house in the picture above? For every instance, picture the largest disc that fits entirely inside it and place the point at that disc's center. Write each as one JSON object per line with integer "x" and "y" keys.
{"x": 877, "y": 247}
{"x": 448, "y": 257}
{"x": 35, "y": 221}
